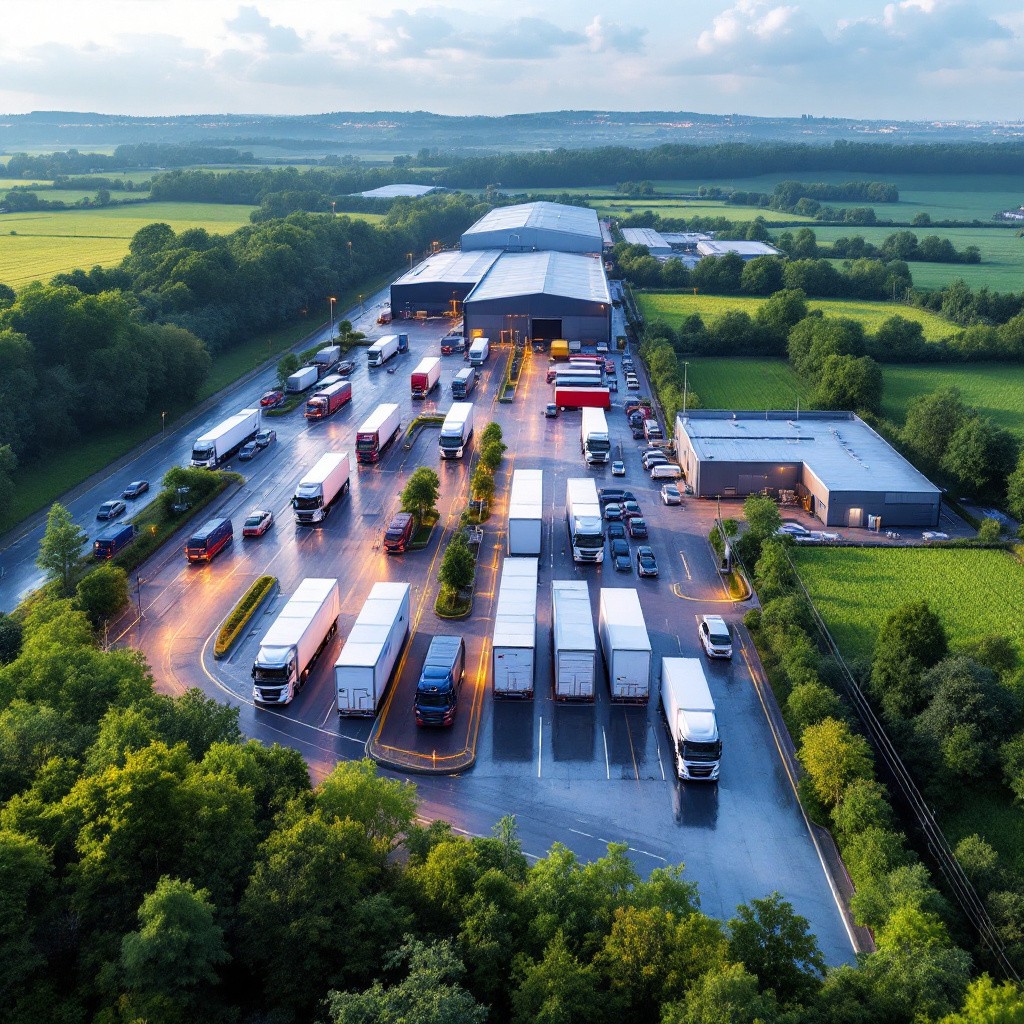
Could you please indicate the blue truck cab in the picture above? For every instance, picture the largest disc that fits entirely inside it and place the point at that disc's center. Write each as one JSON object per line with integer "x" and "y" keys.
{"x": 437, "y": 692}
{"x": 112, "y": 540}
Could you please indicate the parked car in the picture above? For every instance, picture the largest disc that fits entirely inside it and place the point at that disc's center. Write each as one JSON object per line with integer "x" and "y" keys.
{"x": 602, "y": 348}
{"x": 715, "y": 637}
{"x": 551, "y": 411}
{"x": 637, "y": 526}
{"x": 618, "y": 468}
{"x": 670, "y": 494}
{"x": 272, "y": 399}
{"x": 257, "y": 522}
{"x": 606, "y": 494}
{"x": 265, "y": 438}
{"x": 616, "y": 529}
{"x": 646, "y": 563}
{"x": 665, "y": 471}
{"x": 345, "y": 367}
{"x": 792, "y": 530}
{"x": 248, "y": 451}
{"x": 620, "y": 556}
{"x": 652, "y": 459}
{"x": 638, "y": 433}
{"x": 613, "y": 510}
{"x": 111, "y": 509}
{"x": 632, "y": 384}
{"x": 630, "y": 508}
{"x": 135, "y": 489}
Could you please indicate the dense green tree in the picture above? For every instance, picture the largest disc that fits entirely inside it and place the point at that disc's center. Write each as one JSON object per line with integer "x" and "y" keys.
{"x": 899, "y": 340}
{"x": 491, "y": 454}
{"x": 989, "y": 1003}
{"x": 762, "y": 276}
{"x": 728, "y": 995}
{"x": 762, "y": 516}
{"x": 558, "y": 989}
{"x": 10, "y": 638}
{"x": 833, "y": 757}
{"x": 458, "y": 566}
{"x": 931, "y": 422}
{"x": 419, "y": 496}
{"x": 60, "y": 552}
{"x": 8, "y": 464}
{"x": 980, "y": 456}
{"x": 810, "y": 703}
{"x": 286, "y": 366}
{"x": 847, "y": 383}
{"x": 102, "y": 593}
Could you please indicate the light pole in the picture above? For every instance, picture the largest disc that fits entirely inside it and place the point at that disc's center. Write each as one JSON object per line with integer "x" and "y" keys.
{"x": 331, "y": 300}
{"x": 332, "y": 210}
{"x": 350, "y": 251}
{"x": 409, "y": 254}
{"x": 360, "y": 303}
{"x": 163, "y": 422}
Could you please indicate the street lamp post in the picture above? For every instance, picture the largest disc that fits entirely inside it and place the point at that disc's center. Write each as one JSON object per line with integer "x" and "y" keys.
{"x": 163, "y": 422}
{"x": 332, "y": 207}
{"x": 409, "y": 254}
{"x": 331, "y": 300}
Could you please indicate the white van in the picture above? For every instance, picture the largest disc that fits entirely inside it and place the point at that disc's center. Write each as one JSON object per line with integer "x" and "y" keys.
{"x": 666, "y": 471}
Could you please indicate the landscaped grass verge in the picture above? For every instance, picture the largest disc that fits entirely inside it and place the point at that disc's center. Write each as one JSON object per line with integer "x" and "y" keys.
{"x": 241, "y": 614}
{"x": 453, "y": 604}
{"x": 421, "y": 538}
{"x": 428, "y": 419}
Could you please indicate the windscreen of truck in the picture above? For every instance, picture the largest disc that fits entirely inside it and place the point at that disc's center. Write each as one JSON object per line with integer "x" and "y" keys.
{"x": 451, "y": 440}
{"x": 598, "y": 444}
{"x": 203, "y": 454}
{"x": 366, "y": 442}
{"x": 432, "y": 698}
{"x": 587, "y": 538}
{"x": 307, "y": 502}
{"x": 693, "y": 750}
{"x": 271, "y": 673}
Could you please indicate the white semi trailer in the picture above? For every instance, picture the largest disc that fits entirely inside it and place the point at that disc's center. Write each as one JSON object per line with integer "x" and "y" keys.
{"x": 320, "y": 488}
{"x": 514, "y": 647}
{"x": 690, "y": 716}
{"x": 294, "y": 641}
{"x": 456, "y": 431}
{"x": 364, "y": 667}
{"x": 213, "y": 447}
{"x": 626, "y": 645}
{"x": 574, "y": 652}
{"x": 583, "y": 520}
{"x": 595, "y": 441}
{"x": 526, "y": 512}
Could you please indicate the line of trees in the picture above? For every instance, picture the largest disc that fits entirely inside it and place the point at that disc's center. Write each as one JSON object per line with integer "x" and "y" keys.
{"x": 125, "y": 157}
{"x": 900, "y": 245}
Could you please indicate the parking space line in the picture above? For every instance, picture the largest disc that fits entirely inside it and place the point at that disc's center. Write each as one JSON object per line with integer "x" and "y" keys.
{"x": 540, "y": 745}
{"x": 686, "y": 567}
{"x": 607, "y": 765}
{"x": 632, "y": 749}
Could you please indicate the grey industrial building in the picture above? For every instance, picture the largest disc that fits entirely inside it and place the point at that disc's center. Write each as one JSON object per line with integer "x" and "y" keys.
{"x": 833, "y": 464}
{"x": 745, "y": 250}
{"x": 652, "y": 240}
{"x": 440, "y": 283}
{"x": 398, "y": 191}
{"x": 536, "y": 226}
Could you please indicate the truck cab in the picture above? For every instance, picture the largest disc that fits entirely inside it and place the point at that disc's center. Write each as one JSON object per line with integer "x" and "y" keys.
{"x": 437, "y": 692}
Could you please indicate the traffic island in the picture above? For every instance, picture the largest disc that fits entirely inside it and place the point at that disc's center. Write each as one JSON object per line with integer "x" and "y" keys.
{"x": 241, "y": 614}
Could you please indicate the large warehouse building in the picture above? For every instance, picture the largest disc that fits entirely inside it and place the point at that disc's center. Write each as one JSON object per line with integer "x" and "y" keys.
{"x": 837, "y": 467}
{"x": 536, "y": 226}
{"x": 440, "y": 283}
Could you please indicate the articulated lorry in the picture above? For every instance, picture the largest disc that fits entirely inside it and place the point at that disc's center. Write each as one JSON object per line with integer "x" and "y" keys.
{"x": 479, "y": 351}
{"x": 426, "y": 376}
{"x": 382, "y": 350}
{"x": 210, "y": 450}
{"x": 302, "y": 380}
{"x": 320, "y": 488}
{"x": 464, "y": 382}
{"x": 526, "y": 512}
{"x": 456, "y": 430}
{"x": 582, "y": 397}
{"x": 595, "y": 441}
{"x": 377, "y": 432}
{"x": 326, "y": 358}
{"x": 583, "y": 520}
{"x": 514, "y": 647}
{"x": 574, "y": 653}
{"x": 626, "y": 645}
{"x": 328, "y": 401}
{"x": 289, "y": 648}
{"x": 690, "y": 716}
{"x": 364, "y": 667}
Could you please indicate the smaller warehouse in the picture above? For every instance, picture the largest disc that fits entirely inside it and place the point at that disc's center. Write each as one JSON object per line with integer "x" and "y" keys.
{"x": 831, "y": 463}
{"x": 649, "y": 238}
{"x": 398, "y": 192}
{"x": 527, "y": 227}
{"x": 745, "y": 250}
{"x": 441, "y": 282}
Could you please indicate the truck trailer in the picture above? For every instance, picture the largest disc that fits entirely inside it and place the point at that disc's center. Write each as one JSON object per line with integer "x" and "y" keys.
{"x": 526, "y": 512}
{"x": 377, "y": 432}
{"x": 513, "y": 651}
{"x": 479, "y": 351}
{"x": 582, "y": 397}
{"x": 595, "y": 441}
{"x": 464, "y": 382}
{"x": 328, "y": 400}
{"x": 574, "y": 649}
{"x": 626, "y": 646}
{"x": 320, "y": 488}
{"x": 382, "y": 350}
{"x": 690, "y": 716}
{"x": 583, "y": 520}
{"x": 426, "y": 376}
{"x": 289, "y": 648}
{"x": 364, "y": 667}
{"x": 213, "y": 447}
{"x": 302, "y": 380}
{"x": 327, "y": 357}
{"x": 456, "y": 430}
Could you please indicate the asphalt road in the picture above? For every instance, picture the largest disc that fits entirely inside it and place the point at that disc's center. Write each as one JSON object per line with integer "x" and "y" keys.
{"x": 579, "y": 775}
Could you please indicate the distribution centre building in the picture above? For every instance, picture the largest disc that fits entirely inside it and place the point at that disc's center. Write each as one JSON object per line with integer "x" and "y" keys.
{"x": 440, "y": 283}
{"x": 745, "y": 250}
{"x": 842, "y": 472}
{"x": 652, "y": 240}
{"x": 398, "y": 192}
{"x": 527, "y": 227}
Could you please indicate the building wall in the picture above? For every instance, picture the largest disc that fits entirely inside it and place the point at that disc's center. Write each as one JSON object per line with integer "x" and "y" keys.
{"x": 583, "y": 321}
{"x": 434, "y": 296}
{"x": 525, "y": 239}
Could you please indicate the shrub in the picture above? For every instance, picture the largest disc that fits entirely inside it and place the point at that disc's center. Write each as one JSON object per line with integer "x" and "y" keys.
{"x": 810, "y": 703}
{"x": 242, "y": 613}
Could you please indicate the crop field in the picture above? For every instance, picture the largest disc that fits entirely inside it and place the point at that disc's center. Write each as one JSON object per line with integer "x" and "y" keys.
{"x": 975, "y": 592}
{"x": 698, "y": 208}
{"x": 746, "y": 383}
{"x": 675, "y": 307}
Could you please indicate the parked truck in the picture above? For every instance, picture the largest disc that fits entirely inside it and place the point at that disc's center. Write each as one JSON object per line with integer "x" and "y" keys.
{"x": 364, "y": 667}
{"x": 302, "y": 380}
{"x": 382, "y": 350}
{"x": 290, "y": 647}
{"x": 328, "y": 400}
{"x": 426, "y": 376}
{"x": 441, "y": 679}
{"x": 583, "y": 520}
{"x": 326, "y": 358}
{"x": 626, "y": 646}
{"x": 574, "y": 651}
{"x": 464, "y": 382}
{"x": 582, "y": 396}
{"x": 212, "y": 448}
{"x": 456, "y": 430}
{"x": 559, "y": 349}
{"x": 320, "y": 488}
{"x": 377, "y": 432}
{"x": 514, "y": 647}
{"x": 690, "y": 716}
{"x": 479, "y": 351}
{"x": 595, "y": 441}
{"x": 526, "y": 512}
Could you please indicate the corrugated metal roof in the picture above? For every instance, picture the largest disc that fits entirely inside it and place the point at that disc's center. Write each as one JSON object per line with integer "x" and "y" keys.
{"x": 647, "y": 237}
{"x": 749, "y": 249}
{"x": 456, "y": 267}
{"x": 565, "y": 274}
{"x": 840, "y": 449}
{"x": 572, "y": 220}
{"x": 397, "y": 191}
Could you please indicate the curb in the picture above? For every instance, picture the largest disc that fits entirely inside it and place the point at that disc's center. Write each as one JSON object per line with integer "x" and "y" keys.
{"x": 414, "y": 767}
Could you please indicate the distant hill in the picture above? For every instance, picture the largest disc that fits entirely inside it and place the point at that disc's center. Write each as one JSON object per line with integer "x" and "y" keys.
{"x": 388, "y": 133}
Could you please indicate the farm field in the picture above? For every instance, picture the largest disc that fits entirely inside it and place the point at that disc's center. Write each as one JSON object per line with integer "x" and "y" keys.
{"x": 699, "y": 208}
{"x": 674, "y": 307}
{"x": 976, "y": 592}
{"x": 746, "y": 383}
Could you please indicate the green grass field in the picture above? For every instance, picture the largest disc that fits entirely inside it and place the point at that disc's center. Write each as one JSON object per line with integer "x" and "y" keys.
{"x": 976, "y": 592}
{"x": 746, "y": 383}
{"x": 675, "y": 307}
{"x": 685, "y": 209}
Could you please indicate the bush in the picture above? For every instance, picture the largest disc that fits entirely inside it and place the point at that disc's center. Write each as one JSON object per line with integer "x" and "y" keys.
{"x": 810, "y": 703}
{"x": 242, "y": 613}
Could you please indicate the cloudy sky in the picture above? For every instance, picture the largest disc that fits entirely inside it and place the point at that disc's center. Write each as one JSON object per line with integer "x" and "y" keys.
{"x": 928, "y": 59}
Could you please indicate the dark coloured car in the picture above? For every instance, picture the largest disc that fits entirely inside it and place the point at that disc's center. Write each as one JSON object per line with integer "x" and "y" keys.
{"x": 551, "y": 411}
{"x": 637, "y": 527}
{"x": 613, "y": 510}
{"x": 616, "y": 530}
{"x": 345, "y": 367}
{"x": 135, "y": 489}
{"x": 111, "y": 509}
{"x": 630, "y": 508}
{"x": 248, "y": 451}
{"x": 265, "y": 438}
{"x": 606, "y": 494}
{"x": 257, "y": 522}
{"x": 272, "y": 399}
{"x": 620, "y": 556}
{"x": 646, "y": 563}
{"x": 638, "y": 433}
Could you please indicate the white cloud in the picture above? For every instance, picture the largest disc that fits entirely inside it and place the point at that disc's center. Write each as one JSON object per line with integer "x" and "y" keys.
{"x": 610, "y": 37}
{"x": 275, "y": 38}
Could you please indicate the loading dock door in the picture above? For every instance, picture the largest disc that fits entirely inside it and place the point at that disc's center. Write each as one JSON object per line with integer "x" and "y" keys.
{"x": 545, "y": 330}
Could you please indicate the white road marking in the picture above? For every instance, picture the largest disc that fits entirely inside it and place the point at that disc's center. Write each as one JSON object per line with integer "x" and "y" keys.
{"x": 607, "y": 765}
{"x": 540, "y": 746}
